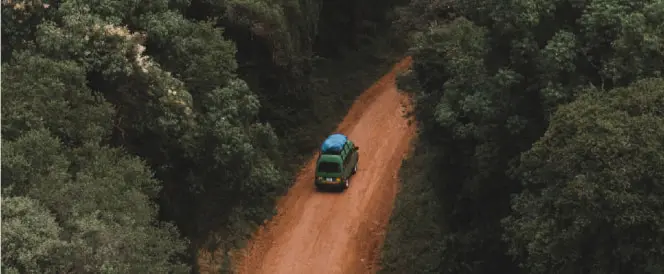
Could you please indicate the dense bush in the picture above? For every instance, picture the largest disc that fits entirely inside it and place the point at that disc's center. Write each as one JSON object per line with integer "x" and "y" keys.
{"x": 487, "y": 85}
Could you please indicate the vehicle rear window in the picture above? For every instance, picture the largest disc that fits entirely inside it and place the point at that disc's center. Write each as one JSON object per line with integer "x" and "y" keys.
{"x": 328, "y": 167}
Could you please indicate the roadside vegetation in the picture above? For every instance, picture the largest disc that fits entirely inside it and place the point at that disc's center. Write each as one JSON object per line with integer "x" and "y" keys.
{"x": 136, "y": 133}
{"x": 540, "y": 146}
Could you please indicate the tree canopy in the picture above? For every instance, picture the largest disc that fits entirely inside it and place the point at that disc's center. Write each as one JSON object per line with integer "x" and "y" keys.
{"x": 70, "y": 202}
{"x": 593, "y": 193}
{"x": 136, "y": 133}
{"x": 489, "y": 80}
{"x": 85, "y": 84}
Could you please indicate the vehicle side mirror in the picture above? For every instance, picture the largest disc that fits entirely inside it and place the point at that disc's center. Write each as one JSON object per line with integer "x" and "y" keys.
{"x": 357, "y": 148}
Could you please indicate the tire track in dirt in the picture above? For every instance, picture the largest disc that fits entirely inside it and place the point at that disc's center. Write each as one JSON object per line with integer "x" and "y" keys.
{"x": 316, "y": 232}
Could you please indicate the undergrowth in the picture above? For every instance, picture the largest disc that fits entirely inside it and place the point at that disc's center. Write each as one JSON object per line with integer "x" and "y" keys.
{"x": 415, "y": 225}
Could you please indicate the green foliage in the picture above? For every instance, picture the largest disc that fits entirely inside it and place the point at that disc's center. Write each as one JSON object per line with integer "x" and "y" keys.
{"x": 284, "y": 28}
{"x": 420, "y": 14}
{"x": 486, "y": 85}
{"x": 592, "y": 199}
{"x": 463, "y": 116}
{"x": 416, "y": 225}
{"x": 31, "y": 237}
{"x": 194, "y": 52}
{"x": 56, "y": 132}
{"x": 92, "y": 202}
{"x": 112, "y": 106}
{"x": 279, "y": 43}
{"x": 18, "y": 24}
{"x": 35, "y": 88}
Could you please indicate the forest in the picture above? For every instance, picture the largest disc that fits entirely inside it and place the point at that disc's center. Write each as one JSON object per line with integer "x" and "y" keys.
{"x": 540, "y": 147}
{"x": 137, "y": 133}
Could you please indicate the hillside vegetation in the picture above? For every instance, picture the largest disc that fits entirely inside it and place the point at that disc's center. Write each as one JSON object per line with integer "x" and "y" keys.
{"x": 135, "y": 133}
{"x": 540, "y": 146}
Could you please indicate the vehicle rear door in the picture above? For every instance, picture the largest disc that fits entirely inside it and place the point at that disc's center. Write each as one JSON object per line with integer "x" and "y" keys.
{"x": 329, "y": 169}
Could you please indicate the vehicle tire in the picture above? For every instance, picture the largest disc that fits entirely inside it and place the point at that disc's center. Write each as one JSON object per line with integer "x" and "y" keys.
{"x": 355, "y": 167}
{"x": 347, "y": 184}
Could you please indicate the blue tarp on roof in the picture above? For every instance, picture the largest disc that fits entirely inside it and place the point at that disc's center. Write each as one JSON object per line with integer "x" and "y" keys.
{"x": 334, "y": 143}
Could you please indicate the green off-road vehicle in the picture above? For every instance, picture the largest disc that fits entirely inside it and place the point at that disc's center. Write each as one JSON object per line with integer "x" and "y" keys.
{"x": 336, "y": 163}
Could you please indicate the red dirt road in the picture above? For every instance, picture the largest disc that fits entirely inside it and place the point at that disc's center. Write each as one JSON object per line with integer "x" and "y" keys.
{"x": 317, "y": 232}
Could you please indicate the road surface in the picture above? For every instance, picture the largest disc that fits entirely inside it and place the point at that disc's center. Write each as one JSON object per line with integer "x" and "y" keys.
{"x": 318, "y": 233}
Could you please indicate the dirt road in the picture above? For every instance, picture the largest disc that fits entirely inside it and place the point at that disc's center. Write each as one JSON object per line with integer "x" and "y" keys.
{"x": 320, "y": 233}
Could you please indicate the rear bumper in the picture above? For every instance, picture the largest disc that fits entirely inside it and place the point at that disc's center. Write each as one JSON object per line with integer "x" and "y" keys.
{"x": 334, "y": 186}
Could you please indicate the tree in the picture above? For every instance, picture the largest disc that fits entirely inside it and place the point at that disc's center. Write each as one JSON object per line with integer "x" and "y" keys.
{"x": 37, "y": 88}
{"x": 31, "y": 237}
{"x": 128, "y": 103}
{"x": 420, "y": 14}
{"x": 96, "y": 202}
{"x": 462, "y": 106}
{"x": 19, "y": 20}
{"x": 486, "y": 85}
{"x": 593, "y": 198}
{"x": 195, "y": 53}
